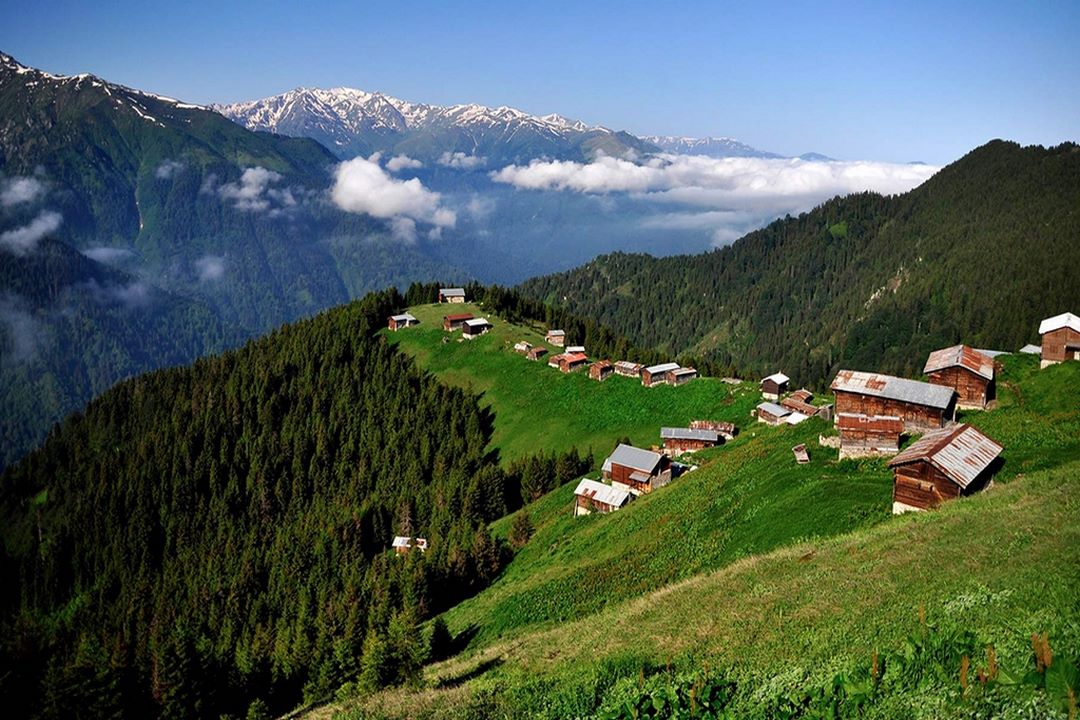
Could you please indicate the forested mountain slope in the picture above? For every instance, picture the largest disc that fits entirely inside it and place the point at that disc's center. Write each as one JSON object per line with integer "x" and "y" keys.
{"x": 979, "y": 253}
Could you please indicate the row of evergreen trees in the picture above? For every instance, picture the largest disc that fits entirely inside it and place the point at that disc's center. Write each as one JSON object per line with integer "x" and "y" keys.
{"x": 211, "y": 539}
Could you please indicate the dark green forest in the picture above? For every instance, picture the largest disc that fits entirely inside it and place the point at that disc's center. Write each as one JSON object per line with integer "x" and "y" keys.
{"x": 205, "y": 538}
{"x": 977, "y": 254}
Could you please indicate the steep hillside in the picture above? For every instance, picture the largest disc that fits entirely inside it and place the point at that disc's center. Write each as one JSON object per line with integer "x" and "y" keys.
{"x": 780, "y": 583}
{"x": 979, "y": 253}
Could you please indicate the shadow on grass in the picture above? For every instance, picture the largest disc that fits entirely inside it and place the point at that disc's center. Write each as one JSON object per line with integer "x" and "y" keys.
{"x": 472, "y": 674}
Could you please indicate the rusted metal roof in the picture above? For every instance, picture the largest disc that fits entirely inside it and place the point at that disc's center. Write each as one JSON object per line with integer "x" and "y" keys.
{"x": 793, "y": 403}
{"x": 1064, "y": 320}
{"x": 629, "y": 367}
{"x": 634, "y": 458}
{"x": 802, "y": 395}
{"x": 575, "y": 357}
{"x": 718, "y": 425}
{"x": 538, "y": 351}
{"x": 601, "y": 364}
{"x": 671, "y": 433}
{"x": 959, "y": 451}
{"x": 662, "y": 368}
{"x": 602, "y": 493}
{"x": 961, "y": 356}
{"x": 459, "y": 316}
{"x": 871, "y": 423}
{"x": 893, "y": 388}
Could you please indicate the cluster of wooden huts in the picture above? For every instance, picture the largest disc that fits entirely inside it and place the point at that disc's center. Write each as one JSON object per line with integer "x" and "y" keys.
{"x": 630, "y": 472}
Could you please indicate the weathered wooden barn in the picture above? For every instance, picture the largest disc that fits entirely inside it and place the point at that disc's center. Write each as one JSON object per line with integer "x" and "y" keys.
{"x": 868, "y": 435}
{"x": 1060, "y": 339}
{"x": 569, "y": 362}
{"x": 680, "y": 440}
{"x": 403, "y": 320}
{"x": 451, "y": 295}
{"x": 920, "y": 405}
{"x": 943, "y": 465}
{"x": 628, "y": 369}
{"x": 591, "y": 496}
{"x": 455, "y": 322}
{"x": 799, "y": 401}
{"x": 556, "y": 337}
{"x": 403, "y": 545}
{"x": 474, "y": 328}
{"x": 523, "y": 348}
{"x": 967, "y": 371}
{"x": 774, "y": 386}
{"x": 601, "y": 370}
{"x": 681, "y": 376}
{"x": 536, "y": 353}
{"x": 726, "y": 430}
{"x": 772, "y": 414}
{"x": 657, "y": 374}
{"x": 637, "y": 471}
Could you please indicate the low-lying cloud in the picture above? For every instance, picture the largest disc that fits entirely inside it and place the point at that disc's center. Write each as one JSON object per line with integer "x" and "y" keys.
{"x": 210, "y": 267}
{"x": 168, "y": 168}
{"x": 735, "y": 194}
{"x": 402, "y": 162}
{"x": 23, "y": 240}
{"x": 19, "y": 190}
{"x": 362, "y": 186}
{"x": 107, "y": 255}
{"x": 20, "y": 332}
{"x": 461, "y": 161}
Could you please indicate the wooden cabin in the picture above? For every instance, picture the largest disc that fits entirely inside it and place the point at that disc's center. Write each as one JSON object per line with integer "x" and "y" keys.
{"x": 451, "y": 295}
{"x": 523, "y": 348}
{"x": 774, "y": 386}
{"x": 657, "y": 374}
{"x": 474, "y": 328}
{"x": 637, "y": 471}
{"x": 1060, "y": 339}
{"x": 868, "y": 435}
{"x": 772, "y": 414}
{"x": 726, "y": 430}
{"x": 403, "y": 320}
{"x": 967, "y": 371}
{"x": 556, "y": 337}
{"x": 628, "y": 369}
{"x": 601, "y": 370}
{"x": 592, "y": 496}
{"x": 536, "y": 353}
{"x": 403, "y": 545}
{"x": 681, "y": 376}
{"x": 799, "y": 401}
{"x": 455, "y": 322}
{"x": 569, "y": 362}
{"x": 681, "y": 440}
{"x": 920, "y": 405}
{"x": 943, "y": 465}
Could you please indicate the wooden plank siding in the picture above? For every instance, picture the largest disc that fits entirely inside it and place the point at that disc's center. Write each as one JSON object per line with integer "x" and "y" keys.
{"x": 915, "y": 416}
{"x": 972, "y": 389}
{"x": 1060, "y": 345}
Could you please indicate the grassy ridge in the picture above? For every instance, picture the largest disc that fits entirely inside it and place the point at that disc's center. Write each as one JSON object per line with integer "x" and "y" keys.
{"x": 538, "y": 408}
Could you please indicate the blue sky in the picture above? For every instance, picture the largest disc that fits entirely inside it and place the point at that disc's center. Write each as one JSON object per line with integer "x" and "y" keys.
{"x": 861, "y": 80}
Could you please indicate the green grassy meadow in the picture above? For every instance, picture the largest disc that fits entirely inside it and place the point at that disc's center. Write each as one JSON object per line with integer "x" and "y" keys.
{"x": 774, "y": 574}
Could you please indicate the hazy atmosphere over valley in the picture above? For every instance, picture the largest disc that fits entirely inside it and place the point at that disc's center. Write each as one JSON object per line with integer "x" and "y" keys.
{"x": 488, "y": 360}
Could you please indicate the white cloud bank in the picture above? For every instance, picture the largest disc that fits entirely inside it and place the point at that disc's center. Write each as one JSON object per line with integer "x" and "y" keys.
{"x": 362, "y": 186}
{"x": 18, "y": 190}
{"x": 735, "y": 194}
{"x": 403, "y": 162}
{"x": 167, "y": 169}
{"x": 461, "y": 161}
{"x": 23, "y": 240}
{"x": 107, "y": 255}
{"x": 253, "y": 192}
{"x": 210, "y": 267}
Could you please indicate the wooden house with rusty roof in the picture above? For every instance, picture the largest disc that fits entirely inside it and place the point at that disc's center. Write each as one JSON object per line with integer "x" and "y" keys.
{"x": 800, "y": 402}
{"x": 455, "y": 322}
{"x": 1060, "y": 339}
{"x": 601, "y": 370}
{"x": 868, "y": 435}
{"x": 629, "y": 369}
{"x": 967, "y": 371}
{"x": 922, "y": 406}
{"x": 657, "y": 374}
{"x": 726, "y": 430}
{"x": 556, "y": 337}
{"x": 592, "y": 496}
{"x": 681, "y": 440}
{"x": 536, "y": 353}
{"x": 681, "y": 376}
{"x": 637, "y": 471}
{"x": 942, "y": 465}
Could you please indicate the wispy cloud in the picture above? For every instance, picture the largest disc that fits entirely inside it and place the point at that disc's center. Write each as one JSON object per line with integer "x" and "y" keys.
{"x": 18, "y": 190}
{"x": 23, "y": 240}
{"x": 20, "y": 332}
{"x": 168, "y": 168}
{"x": 107, "y": 255}
{"x": 402, "y": 162}
{"x": 462, "y": 161}
{"x": 210, "y": 267}
{"x": 362, "y": 186}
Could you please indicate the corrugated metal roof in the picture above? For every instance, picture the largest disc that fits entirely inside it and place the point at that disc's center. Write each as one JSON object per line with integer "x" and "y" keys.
{"x": 960, "y": 451}
{"x": 403, "y": 317}
{"x": 662, "y": 368}
{"x": 477, "y": 322}
{"x": 875, "y": 423}
{"x": 1031, "y": 349}
{"x": 600, "y": 492}
{"x": 893, "y": 388}
{"x": 556, "y": 333}
{"x": 575, "y": 357}
{"x": 451, "y": 292}
{"x": 629, "y": 366}
{"x": 576, "y": 349}
{"x": 601, "y": 364}
{"x": 794, "y": 404}
{"x": 778, "y": 378}
{"x": 774, "y": 409}
{"x": 795, "y": 418}
{"x": 802, "y": 395}
{"x": 632, "y": 457}
{"x": 458, "y": 316}
{"x": 683, "y": 371}
{"x": 1057, "y": 322}
{"x": 960, "y": 356}
{"x": 671, "y": 433}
